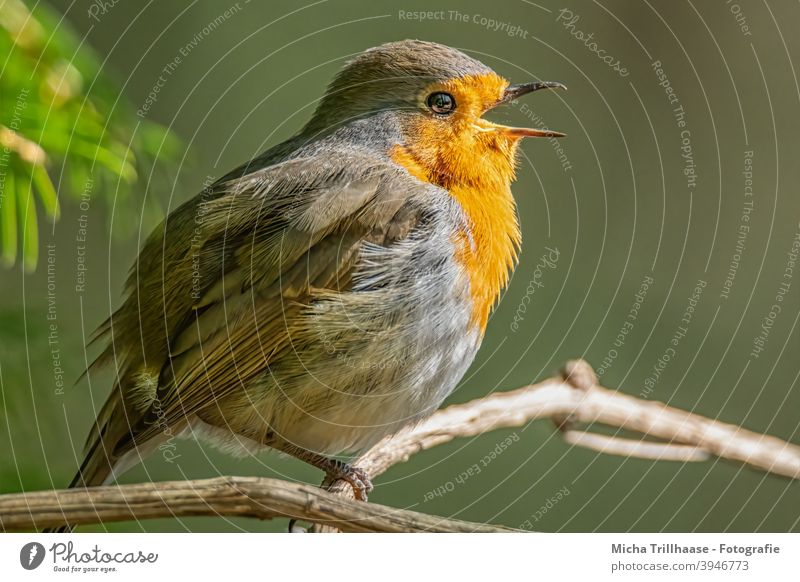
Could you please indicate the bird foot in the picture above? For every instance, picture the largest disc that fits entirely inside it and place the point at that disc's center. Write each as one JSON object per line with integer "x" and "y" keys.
{"x": 357, "y": 478}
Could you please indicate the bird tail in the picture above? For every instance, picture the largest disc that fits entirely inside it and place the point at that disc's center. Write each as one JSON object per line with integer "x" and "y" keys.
{"x": 95, "y": 470}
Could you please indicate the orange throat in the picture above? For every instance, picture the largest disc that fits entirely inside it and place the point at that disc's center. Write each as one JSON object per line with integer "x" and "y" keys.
{"x": 479, "y": 179}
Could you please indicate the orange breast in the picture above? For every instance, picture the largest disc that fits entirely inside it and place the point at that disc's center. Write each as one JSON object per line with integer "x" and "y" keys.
{"x": 488, "y": 250}
{"x": 492, "y": 253}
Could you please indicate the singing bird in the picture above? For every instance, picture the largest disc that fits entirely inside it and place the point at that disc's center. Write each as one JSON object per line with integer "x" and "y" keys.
{"x": 334, "y": 289}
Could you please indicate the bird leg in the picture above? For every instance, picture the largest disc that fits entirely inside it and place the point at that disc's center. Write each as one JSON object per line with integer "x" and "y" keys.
{"x": 334, "y": 469}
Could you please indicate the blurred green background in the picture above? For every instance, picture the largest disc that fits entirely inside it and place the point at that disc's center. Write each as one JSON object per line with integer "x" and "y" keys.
{"x": 616, "y": 204}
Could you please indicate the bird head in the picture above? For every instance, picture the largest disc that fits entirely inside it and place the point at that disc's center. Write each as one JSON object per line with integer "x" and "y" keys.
{"x": 438, "y": 96}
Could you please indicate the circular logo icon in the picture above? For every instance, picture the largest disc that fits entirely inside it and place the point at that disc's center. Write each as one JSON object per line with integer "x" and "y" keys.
{"x": 31, "y": 555}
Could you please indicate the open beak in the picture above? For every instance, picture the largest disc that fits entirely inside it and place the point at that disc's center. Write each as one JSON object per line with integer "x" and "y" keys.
{"x": 514, "y": 91}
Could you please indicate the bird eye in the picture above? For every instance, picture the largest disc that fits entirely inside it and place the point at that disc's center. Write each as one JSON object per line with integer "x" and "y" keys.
{"x": 441, "y": 103}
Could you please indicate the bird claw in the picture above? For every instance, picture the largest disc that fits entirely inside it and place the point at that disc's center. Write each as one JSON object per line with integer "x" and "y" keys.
{"x": 357, "y": 478}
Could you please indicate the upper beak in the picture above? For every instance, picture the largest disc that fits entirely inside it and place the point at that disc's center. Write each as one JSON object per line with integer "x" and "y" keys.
{"x": 514, "y": 91}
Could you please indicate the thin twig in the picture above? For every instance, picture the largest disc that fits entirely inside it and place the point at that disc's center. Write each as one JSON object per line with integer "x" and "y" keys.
{"x": 641, "y": 449}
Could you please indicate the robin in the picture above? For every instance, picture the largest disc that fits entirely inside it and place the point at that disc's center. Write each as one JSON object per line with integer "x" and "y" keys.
{"x": 332, "y": 290}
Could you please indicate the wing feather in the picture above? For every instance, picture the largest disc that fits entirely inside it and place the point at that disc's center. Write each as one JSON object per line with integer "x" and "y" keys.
{"x": 218, "y": 289}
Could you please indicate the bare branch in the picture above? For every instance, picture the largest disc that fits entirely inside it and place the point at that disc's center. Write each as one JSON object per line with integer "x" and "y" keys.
{"x": 228, "y": 496}
{"x": 562, "y": 401}
{"x": 572, "y": 399}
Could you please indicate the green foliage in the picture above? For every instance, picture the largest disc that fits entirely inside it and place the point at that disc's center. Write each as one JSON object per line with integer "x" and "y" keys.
{"x": 64, "y": 129}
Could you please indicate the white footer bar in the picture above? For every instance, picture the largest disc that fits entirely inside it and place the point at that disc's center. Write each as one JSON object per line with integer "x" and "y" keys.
{"x": 242, "y": 557}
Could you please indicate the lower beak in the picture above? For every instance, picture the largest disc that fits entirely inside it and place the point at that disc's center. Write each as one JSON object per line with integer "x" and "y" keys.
{"x": 531, "y": 132}
{"x": 514, "y": 91}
